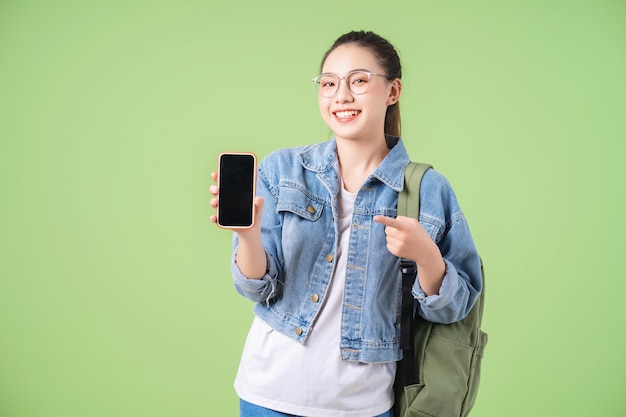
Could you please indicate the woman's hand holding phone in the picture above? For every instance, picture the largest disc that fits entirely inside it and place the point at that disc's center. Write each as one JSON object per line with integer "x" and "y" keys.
{"x": 257, "y": 207}
{"x": 236, "y": 189}
{"x": 241, "y": 214}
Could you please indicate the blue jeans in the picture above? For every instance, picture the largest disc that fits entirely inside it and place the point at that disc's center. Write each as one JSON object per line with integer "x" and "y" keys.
{"x": 250, "y": 410}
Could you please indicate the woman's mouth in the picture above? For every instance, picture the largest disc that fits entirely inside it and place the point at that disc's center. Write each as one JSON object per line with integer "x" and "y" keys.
{"x": 345, "y": 115}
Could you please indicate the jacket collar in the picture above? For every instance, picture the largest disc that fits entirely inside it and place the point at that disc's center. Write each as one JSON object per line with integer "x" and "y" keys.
{"x": 323, "y": 156}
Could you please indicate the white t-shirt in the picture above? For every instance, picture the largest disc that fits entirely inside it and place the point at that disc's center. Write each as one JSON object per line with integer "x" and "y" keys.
{"x": 311, "y": 379}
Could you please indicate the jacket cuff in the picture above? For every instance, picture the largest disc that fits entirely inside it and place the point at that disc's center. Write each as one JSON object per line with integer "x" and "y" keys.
{"x": 449, "y": 288}
{"x": 255, "y": 289}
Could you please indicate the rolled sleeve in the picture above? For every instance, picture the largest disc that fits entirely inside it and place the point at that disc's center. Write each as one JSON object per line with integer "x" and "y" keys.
{"x": 449, "y": 287}
{"x": 258, "y": 290}
{"x": 451, "y": 304}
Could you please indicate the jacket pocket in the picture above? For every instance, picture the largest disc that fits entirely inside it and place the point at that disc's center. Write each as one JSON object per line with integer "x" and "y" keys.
{"x": 299, "y": 202}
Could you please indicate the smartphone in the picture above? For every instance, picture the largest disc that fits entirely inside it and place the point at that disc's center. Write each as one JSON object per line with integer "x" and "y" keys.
{"x": 237, "y": 187}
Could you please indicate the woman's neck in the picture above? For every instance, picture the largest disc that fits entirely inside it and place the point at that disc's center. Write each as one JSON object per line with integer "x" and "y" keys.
{"x": 357, "y": 161}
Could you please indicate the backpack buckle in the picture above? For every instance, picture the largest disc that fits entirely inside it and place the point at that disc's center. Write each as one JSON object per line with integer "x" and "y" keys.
{"x": 407, "y": 266}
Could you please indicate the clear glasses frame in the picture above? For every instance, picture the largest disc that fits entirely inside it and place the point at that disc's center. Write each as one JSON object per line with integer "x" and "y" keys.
{"x": 352, "y": 80}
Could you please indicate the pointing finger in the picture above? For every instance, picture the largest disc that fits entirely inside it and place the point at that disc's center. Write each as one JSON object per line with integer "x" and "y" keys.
{"x": 386, "y": 221}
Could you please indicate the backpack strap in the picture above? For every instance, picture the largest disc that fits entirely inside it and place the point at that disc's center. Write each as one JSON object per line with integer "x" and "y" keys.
{"x": 409, "y": 197}
{"x": 408, "y": 206}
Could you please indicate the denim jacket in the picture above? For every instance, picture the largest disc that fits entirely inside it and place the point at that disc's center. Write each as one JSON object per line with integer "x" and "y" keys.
{"x": 300, "y": 232}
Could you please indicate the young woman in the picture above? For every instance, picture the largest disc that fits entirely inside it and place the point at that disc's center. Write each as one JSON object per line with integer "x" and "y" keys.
{"x": 322, "y": 259}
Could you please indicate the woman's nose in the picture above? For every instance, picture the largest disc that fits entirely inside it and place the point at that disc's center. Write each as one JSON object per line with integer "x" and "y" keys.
{"x": 343, "y": 91}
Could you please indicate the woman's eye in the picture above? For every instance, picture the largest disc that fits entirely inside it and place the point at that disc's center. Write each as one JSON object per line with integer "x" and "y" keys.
{"x": 327, "y": 82}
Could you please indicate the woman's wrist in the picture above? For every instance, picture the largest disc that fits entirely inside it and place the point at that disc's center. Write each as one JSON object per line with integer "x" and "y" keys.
{"x": 431, "y": 271}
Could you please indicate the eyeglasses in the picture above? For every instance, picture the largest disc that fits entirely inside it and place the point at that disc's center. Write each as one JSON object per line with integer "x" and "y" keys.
{"x": 358, "y": 82}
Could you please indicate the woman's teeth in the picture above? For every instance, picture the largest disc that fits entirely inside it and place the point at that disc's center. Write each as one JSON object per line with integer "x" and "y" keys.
{"x": 346, "y": 114}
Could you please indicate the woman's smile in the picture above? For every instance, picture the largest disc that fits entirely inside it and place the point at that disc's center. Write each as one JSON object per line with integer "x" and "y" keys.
{"x": 346, "y": 115}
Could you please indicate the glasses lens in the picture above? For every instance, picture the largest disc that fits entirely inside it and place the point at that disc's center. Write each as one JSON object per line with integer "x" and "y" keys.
{"x": 359, "y": 82}
{"x": 327, "y": 84}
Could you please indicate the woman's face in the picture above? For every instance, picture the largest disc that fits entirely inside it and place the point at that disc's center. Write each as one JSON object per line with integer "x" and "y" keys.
{"x": 357, "y": 116}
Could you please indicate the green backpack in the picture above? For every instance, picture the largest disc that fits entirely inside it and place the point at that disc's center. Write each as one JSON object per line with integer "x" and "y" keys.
{"x": 440, "y": 372}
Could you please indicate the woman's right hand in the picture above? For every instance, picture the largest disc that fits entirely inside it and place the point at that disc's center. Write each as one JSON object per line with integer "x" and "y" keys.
{"x": 251, "y": 257}
{"x": 258, "y": 209}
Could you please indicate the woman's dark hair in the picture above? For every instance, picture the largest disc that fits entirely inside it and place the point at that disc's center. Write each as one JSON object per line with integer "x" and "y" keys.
{"x": 387, "y": 57}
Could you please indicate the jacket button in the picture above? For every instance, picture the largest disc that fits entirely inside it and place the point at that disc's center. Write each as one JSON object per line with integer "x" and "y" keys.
{"x": 298, "y": 331}
{"x": 310, "y": 209}
{"x": 329, "y": 258}
{"x": 315, "y": 298}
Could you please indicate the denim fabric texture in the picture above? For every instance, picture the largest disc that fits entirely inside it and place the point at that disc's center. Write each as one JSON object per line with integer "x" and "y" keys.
{"x": 299, "y": 232}
{"x": 247, "y": 409}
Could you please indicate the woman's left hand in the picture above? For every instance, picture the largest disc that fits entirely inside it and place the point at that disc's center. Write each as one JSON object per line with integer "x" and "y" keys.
{"x": 406, "y": 238}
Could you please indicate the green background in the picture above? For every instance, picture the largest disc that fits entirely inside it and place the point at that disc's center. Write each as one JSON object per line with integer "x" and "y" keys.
{"x": 115, "y": 292}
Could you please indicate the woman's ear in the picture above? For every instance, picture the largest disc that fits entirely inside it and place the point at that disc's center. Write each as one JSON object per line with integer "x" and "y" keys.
{"x": 394, "y": 92}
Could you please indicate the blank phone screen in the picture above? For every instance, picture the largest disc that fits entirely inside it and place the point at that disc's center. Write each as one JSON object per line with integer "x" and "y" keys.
{"x": 236, "y": 189}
